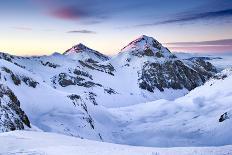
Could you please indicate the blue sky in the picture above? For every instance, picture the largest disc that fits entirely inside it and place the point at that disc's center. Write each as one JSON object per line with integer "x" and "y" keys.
{"x": 35, "y": 27}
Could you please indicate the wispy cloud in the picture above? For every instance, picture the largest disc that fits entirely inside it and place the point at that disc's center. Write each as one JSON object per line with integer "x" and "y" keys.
{"x": 22, "y": 28}
{"x": 82, "y": 31}
{"x": 204, "y": 49}
{"x": 211, "y": 42}
{"x": 192, "y": 17}
{"x": 68, "y": 13}
{"x": 202, "y": 46}
{"x": 90, "y": 11}
{"x": 75, "y": 10}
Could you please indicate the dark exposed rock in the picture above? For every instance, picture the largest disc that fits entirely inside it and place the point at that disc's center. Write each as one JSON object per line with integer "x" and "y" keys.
{"x": 82, "y": 73}
{"x": 49, "y": 64}
{"x": 14, "y": 77}
{"x": 224, "y": 117}
{"x": 11, "y": 115}
{"x": 92, "y": 98}
{"x": 201, "y": 63}
{"x": 65, "y": 80}
{"x": 222, "y": 75}
{"x": 99, "y": 67}
{"x": 10, "y": 58}
{"x": 148, "y": 52}
{"x": 6, "y": 57}
{"x": 17, "y": 79}
{"x": 90, "y": 121}
{"x": 170, "y": 74}
{"x": 110, "y": 91}
{"x": 74, "y": 98}
{"x": 30, "y": 82}
{"x": 159, "y": 54}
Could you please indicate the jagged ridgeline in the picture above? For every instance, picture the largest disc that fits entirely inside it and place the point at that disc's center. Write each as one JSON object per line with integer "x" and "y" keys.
{"x": 60, "y": 92}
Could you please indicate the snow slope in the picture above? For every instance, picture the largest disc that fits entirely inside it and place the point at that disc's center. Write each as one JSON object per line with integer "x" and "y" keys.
{"x": 200, "y": 118}
{"x": 40, "y": 143}
{"x": 159, "y": 123}
{"x": 136, "y": 97}
{"x": 83, "y": 70}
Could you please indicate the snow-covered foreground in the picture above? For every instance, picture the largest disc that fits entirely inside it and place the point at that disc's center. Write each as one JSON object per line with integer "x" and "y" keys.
{"x": 144, "y": 96}
{"x": 42, "y": 143}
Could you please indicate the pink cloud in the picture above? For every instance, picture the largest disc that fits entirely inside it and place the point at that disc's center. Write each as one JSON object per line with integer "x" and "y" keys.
{"x": 61, "y": 9}
{"x": 68, "y": 13}
{"x": 203, "y": 49}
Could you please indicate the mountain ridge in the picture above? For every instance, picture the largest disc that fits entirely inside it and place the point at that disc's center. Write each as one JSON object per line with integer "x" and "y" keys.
{"x": 80, "y": 50}
{"x": 76, "y": 93}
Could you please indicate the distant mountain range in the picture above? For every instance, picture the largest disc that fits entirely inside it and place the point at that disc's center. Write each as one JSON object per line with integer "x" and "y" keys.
{"x": 139, "y": 93}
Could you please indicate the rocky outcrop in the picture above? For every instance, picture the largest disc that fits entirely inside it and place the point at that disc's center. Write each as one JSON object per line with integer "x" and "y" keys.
{"x": 65, "y": 80}
{"x": 10, "y": 58}
{"x": 82, "y": 73}
{"x": 171, "y": 74}
{"x": 202, "y": 65}
{"x": 18, "y": 79}
{"x": 12, "y": 117}
{"x": 224, "y": 117}
{"x": 109, "y": 69}
{"x": 49, "y": 64}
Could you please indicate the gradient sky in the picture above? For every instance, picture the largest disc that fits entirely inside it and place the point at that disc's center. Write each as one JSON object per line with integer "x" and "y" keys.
{"x": 36, "y": 27}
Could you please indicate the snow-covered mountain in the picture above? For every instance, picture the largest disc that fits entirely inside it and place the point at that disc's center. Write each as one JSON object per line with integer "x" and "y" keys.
{"x": 82, "y": 52}
{"x": 158, "y": 68}
{"x": 142, "y": 96}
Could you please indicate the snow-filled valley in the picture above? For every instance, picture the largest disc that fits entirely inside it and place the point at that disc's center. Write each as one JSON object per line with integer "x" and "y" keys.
{"x": 145, "y": 96}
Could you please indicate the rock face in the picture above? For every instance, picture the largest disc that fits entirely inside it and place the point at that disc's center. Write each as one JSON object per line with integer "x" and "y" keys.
{"x": 99, "y": 67}
{"x": 161, "y": 69}
{"x": 224, "y": 117}
{"x": 171, "y": 74}
{"x": 17, "y": 79}
{"x": 12, "y": 117}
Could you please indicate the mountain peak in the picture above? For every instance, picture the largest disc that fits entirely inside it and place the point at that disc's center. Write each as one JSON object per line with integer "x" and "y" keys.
{"x": 147, "y": 46}
{"x": 145, "y": 37}
{"x": 77, "y": 49}
{"x": 80, "y": 51}
{"x": 143, "y": 42}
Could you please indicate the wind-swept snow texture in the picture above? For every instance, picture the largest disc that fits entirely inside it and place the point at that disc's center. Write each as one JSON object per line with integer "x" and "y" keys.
{"x": 145, "y": 95}
{"x": 200, "y": 118}
{"x": 40, "y": 143}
